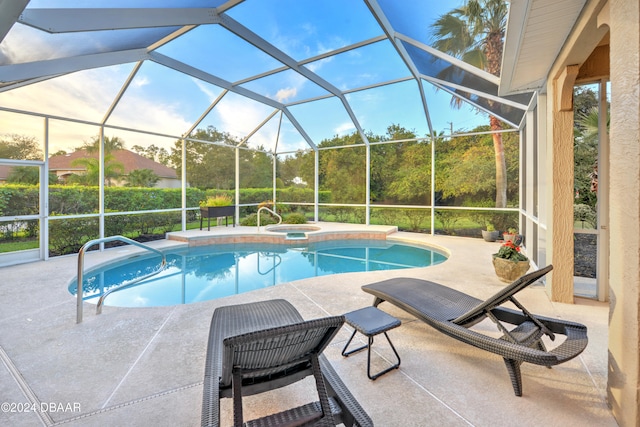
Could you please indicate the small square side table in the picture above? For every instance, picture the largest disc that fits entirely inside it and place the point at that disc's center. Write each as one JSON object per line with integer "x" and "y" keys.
{"x": 371, "y": 321}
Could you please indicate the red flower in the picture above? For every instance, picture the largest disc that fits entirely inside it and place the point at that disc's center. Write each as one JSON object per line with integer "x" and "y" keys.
{"x": 511, "y": 245}
{"x": 510, "y": 250}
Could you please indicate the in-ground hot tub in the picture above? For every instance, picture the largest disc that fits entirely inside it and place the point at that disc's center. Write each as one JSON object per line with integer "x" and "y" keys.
{"x": 293, "y": 231}
{"x": 292, "y": 228}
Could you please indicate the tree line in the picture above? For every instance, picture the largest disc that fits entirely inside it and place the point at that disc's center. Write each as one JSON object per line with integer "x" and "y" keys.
{"x": 400, "y": 171}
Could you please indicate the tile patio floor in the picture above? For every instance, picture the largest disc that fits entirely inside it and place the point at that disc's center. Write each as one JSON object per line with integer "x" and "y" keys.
{"x": 144, "y": 366}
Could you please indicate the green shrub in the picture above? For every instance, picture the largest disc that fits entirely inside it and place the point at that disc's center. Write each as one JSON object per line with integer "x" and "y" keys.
{"x": 449, "y": 219}
{"x": 19, "y": 199}
{"x": 217, "y": 200}
{"x": 283, "y": 209}
{"x": 117, "y": 225}
{"x": 165, "y": 221}
{"x": 255, "y": 195}
{"x": 73, "y": 199}
{"x": 386, "y": 216}
{"x": 294, "y": 218}
{"x": 503, "y": 221}
{"x": 416, "y": 218}
{"x": 66, "y": 236}
{"x": 252, "y": 219}
{"x": 342, "y": 214}
{"x": 8, "y": 230}
{"x": 585, "y": 214}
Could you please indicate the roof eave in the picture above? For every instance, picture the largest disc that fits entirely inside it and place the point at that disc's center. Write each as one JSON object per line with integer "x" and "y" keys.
{"x": 513, "y": 40}
{"x": 525, "y": 67}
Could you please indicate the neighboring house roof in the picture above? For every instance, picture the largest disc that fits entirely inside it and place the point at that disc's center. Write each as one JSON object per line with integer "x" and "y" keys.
{"x": 130, "y": 160}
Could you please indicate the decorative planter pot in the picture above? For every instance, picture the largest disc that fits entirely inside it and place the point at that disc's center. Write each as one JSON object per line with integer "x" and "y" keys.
{"x": 508, "y": 270}
{"x": 217, "y": 212}
{"x": 490, "y": 236}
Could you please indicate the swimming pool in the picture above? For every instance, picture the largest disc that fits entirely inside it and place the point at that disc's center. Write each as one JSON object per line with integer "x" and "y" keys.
{"x": 208, "y": 272}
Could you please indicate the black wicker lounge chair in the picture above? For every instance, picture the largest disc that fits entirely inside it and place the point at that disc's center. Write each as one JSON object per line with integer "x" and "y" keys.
{"x": 266, "y": 345}
{"x": 452, "y": 312}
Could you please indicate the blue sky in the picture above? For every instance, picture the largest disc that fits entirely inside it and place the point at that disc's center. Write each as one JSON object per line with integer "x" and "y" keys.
{"x": 163, "y": 100}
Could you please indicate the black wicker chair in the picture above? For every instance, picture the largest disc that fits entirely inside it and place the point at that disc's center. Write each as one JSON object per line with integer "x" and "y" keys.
{"x": 452, "y": 313}
{"x": 266, "y": 345}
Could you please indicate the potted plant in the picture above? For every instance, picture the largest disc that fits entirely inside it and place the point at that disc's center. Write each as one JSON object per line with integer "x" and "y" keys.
{"x": 217, "y": 207}
{"x": 510, "y": 263}
{"x": 512, "y": 236}
{"x": 490, "y": 234}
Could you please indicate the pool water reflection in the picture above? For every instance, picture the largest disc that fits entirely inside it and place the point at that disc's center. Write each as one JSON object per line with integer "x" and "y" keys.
{"x": 204, "y": 273}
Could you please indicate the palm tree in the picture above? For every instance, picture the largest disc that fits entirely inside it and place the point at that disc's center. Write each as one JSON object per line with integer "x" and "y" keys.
{"x": 112, "y": 169}
{"x": 141, "y": 178}
{"x": 586, "y": 139}
{"x": 110, "y": 144}
{"x": 28, "y": 175}
{"x": 475, "y": 34}
{"x": 588, "y": 124}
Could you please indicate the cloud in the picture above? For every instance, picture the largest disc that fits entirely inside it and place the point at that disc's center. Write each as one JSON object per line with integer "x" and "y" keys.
{"x": 206, "y": 89}
{"x": 145, "y": 114}
{"x": 240, "y": 116}
{"x": 140, "y": 81}
{"x": 41, "y": 47}
{"x": 284, "y": 95}
{"x": 87, "y": 95}
{"x": 345, "y": 128}
{"x": 309, "y": 29}
{"x": 75, "y": 95}
{"x": 317, "y": 65}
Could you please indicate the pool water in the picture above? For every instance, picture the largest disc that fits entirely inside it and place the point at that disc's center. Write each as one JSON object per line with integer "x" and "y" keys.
{"x": 210, "y": 272}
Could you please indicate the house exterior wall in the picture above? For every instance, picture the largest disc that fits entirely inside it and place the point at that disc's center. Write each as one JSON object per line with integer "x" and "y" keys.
{"x": 624, "y": 212}
{"x": 168, "y": 183}
{"x": 622, "y": 17}
{"x": 621, "y": 224}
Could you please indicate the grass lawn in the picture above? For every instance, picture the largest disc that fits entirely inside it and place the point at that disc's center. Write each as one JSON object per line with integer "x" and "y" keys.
{"x": 19, "y": 245}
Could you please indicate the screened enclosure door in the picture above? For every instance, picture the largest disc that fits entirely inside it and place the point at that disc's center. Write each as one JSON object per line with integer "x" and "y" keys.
{"x": 20, "y": 217}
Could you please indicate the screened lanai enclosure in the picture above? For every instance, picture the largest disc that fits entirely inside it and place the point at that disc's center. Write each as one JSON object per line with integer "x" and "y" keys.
{"x": 121, "y": 117}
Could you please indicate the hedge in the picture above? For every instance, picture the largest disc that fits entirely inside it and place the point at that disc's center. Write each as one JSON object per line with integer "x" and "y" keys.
{"x": 18, "y": 199}
{"x": 68, "y": 235}
{"x": 283, "y": 195}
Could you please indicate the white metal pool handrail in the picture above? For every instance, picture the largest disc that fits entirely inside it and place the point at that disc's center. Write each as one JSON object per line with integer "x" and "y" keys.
{"x": 266, "y": 208}
{"x": 275, "y": 256}
{"x": 81, "y": 252}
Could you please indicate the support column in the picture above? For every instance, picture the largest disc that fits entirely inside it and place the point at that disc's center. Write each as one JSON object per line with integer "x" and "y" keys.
{"x": 560, "y": 287}
{"x": 237, "y": 201}
{"x": 624, "y": 210}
